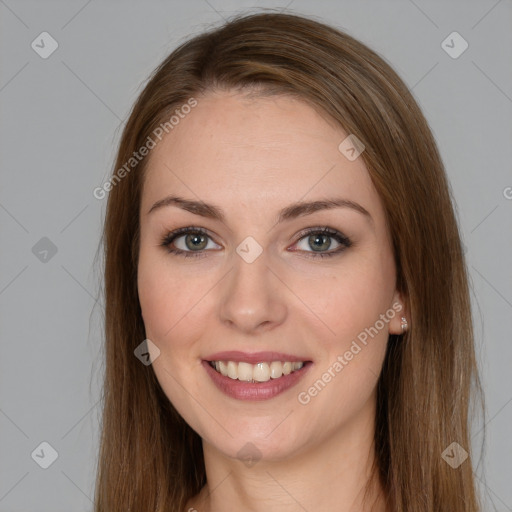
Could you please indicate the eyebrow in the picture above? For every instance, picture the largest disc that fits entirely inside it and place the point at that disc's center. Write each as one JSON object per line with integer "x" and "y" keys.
{"x": 290, "y": 212}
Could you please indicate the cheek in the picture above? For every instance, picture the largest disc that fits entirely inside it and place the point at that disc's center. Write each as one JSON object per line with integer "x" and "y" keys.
{"x": 352, "y": 297}
{"x": 153, "y": 298}
{"x": 171, "y": 309}
{"x": 352, "y": 350}
{"x": 172, "y": 302}
{"x": 158, "y": 297}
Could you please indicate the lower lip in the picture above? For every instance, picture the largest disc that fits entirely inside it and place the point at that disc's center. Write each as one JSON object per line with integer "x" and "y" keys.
{"x": 255, "y": 390}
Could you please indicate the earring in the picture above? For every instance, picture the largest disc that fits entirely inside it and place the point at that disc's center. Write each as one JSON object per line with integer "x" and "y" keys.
{"x": 404, "y": 324}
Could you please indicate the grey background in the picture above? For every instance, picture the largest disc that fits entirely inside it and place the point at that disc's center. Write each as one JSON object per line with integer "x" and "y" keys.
{"x": 60, "y": 120}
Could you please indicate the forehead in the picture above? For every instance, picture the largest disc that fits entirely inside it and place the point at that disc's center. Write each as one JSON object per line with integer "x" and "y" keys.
{"x": 261, "y": 152}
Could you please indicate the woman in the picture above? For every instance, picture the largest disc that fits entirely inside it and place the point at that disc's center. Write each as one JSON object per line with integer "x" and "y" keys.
{"x": 288, "y": 323}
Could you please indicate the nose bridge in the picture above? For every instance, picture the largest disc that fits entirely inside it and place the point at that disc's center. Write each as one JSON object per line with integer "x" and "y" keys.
{"x": 250, "y": 299}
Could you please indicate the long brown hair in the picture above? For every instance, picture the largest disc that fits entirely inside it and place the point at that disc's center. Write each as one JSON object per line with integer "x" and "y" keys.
{"x": 150, "y": 459}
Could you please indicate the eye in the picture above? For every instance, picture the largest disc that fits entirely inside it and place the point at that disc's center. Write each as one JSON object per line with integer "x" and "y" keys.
{"x": 193, "y": 244}
{"x": 318, "y": 239}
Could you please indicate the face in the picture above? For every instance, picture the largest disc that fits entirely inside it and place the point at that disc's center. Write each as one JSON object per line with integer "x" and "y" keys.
{"x": 260, "y": 282}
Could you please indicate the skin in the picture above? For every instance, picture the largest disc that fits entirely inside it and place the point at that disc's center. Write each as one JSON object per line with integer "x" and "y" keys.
{"x": 252, "y": 158}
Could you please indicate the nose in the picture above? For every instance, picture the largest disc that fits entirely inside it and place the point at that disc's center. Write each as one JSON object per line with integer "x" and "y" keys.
{"x": 253, "y": 296}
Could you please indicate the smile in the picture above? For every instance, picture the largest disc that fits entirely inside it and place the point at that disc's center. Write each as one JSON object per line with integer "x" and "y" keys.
{"x": 262, "y": 380}
{"x": 259, "y": 372}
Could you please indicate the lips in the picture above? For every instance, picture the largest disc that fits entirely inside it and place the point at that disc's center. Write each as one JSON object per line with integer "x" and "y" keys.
{"x": 257, "y": 375}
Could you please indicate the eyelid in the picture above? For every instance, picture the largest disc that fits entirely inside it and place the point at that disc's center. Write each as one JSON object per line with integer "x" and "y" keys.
{"x": 326, "y": 230}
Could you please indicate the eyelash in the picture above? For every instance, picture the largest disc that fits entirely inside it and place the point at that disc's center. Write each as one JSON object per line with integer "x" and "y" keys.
{"x": 173, "y": 235}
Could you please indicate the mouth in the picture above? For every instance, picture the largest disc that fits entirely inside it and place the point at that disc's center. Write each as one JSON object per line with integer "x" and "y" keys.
{"x": 260, "y": 372}
{"x": 255, "y": 376}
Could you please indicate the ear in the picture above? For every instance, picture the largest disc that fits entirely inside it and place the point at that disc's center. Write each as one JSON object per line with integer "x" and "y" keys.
{"x": 400, "y": 307}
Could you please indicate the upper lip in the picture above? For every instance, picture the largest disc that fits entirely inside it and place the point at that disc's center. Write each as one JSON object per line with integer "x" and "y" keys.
{"x": 254, "y": 357}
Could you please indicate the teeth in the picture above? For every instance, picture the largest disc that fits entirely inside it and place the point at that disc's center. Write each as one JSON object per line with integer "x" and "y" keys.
{"x": 232, "y": 370}
{"x": 244, "y": 371}
{"x": 276, "y": 369}
{"x": 260, "y": 372}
